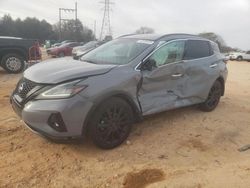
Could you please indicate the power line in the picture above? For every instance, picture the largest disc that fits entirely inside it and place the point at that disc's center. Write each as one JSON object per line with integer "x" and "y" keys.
{"x": 66, "y": 10}
{"x": 106, "y": 25}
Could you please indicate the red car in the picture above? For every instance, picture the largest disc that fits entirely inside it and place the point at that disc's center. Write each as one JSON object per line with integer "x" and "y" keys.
{"x": 63, "y": 50}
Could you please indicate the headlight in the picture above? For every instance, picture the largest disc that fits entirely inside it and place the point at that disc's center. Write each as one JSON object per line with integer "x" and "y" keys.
{"x": 62, "y": 91}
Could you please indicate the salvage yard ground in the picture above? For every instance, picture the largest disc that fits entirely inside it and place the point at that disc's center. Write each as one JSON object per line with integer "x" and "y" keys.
{"x": 180, "y": 148}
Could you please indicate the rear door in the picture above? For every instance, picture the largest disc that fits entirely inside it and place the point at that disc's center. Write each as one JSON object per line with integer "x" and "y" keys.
{"x": 202, "y": 69}
{"x": 163, "y": 85}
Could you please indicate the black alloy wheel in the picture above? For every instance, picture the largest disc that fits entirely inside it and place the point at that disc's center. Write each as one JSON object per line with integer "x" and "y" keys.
{"x": 213, "y": 97}
{"x": 111, "y": 123}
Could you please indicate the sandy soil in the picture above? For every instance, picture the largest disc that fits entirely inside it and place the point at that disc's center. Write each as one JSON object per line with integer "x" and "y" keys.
{"x": 180, "y": 148}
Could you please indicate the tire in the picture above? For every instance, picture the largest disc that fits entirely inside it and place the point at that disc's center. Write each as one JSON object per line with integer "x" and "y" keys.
{"x": 61, "y": 54}
{"x": 239, "y": 58}
{"x": 213, "y": 97}
{"x": 13, "y": 63}
{"x": 111, "y": 123}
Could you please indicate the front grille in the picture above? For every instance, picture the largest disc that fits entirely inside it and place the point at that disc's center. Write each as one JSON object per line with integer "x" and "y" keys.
{"x": 24, "y": 87}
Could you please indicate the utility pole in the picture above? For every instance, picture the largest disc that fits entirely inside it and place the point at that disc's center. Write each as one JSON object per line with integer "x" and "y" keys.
{"x": 76, "y": 13}
{"x": 106, "y": 26}
{"x": 95, "y": 29}
{"x": 66, "y": 10}
{"x": 60, "y": 24}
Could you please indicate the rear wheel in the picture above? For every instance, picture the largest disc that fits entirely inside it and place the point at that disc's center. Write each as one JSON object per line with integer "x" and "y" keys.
{"x": 111, "y": 123}
{"x": 13, "y": 63}
{"x": 213, "y": 98}
{"x": 239, "y": 58}
{"x": 61, "y": 54}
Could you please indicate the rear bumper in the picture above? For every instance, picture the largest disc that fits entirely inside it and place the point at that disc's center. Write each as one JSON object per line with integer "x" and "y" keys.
{"x": 52, "y": 53}
{"x": 233, "y": 57}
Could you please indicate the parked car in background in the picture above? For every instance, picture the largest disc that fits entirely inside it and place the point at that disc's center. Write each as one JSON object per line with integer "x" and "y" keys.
{"x": 226, "y": 56}
{"x": 14, "y": 52}
{"x": 56, "y": 44}
{"x": 79, "y": 51}
{"x": 117, "y": 84}
{"x": 62, "y": 50}
{"x": 63, "y": 42}
{"x": 240, "y": 56}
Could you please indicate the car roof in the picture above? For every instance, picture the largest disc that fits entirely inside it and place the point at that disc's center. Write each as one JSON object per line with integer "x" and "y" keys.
{"x": 156, "y": 37}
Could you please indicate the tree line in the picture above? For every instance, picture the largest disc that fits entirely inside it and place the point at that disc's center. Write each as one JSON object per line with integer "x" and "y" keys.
{"x": 33, "y": 28}
{"x": 224, "y": 48}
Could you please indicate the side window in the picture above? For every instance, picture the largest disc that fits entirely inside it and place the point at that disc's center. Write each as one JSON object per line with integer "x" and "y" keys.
{"x": 196, "y": 49}
{"x": 170, "y": 53}
{"x": 248, "y": 52}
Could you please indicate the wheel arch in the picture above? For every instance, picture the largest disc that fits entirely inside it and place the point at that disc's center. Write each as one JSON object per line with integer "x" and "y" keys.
{"x": 17, "y": 51}
{"x": 124, "y": 96}
{"x": 222, "y": 81}
{"x": 239, "y": 57}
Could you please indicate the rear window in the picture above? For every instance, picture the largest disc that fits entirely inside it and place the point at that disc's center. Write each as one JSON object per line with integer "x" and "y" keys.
{"x": 215, "y": 47}
{"x": 197, "y": 49}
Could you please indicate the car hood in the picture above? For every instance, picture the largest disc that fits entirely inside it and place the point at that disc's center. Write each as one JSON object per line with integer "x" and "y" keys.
{"x": 63, "y": 69}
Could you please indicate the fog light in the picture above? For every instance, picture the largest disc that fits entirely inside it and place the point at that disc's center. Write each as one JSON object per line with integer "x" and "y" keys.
{"x": 56, "y": 122}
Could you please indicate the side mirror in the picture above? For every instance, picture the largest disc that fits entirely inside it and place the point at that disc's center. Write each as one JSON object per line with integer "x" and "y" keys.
{"x": 149, "y": 65}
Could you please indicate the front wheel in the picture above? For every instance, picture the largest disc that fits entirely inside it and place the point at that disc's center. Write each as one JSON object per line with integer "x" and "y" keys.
{"x": 213, "y": 97}
{"x": 13, "y": 63}
{"x": 111, "y": 123}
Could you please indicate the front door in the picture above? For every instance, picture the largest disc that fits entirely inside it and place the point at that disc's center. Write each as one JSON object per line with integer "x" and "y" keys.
{"x": 163, "y": 86}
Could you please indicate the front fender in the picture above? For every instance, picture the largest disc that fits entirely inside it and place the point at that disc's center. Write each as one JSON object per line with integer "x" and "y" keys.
{"x": 134, "y": 103}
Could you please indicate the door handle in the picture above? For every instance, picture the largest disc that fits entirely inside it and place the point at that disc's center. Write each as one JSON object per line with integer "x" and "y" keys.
{"x": 177, "y": 75}
{"x": 213, "y": 65}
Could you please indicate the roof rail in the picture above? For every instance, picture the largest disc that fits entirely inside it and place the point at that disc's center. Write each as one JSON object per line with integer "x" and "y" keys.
{"x": 127, "y": 35}
{"x": 180, "y": 34}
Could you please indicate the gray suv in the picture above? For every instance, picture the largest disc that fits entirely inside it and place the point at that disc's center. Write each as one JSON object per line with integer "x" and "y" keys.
{"x": 117, "y": 84}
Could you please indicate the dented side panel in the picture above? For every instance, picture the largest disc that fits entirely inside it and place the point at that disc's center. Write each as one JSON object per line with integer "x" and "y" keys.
{"x": 160, "y": 89}
{"x": 201, "y": 75}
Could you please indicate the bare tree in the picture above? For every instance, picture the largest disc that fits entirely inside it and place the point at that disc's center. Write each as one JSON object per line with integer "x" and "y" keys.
{"x": 144, "y": 30}
{"x": 217, "y": 39}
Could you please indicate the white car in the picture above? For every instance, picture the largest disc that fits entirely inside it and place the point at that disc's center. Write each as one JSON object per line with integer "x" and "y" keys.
{"x": 239, "y": 56}
{"x": 89, "y": 45}
{"x": 79, "y": 51}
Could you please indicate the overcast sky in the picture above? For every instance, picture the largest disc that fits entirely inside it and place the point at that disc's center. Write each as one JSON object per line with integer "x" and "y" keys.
{"x": 228, "y": 18}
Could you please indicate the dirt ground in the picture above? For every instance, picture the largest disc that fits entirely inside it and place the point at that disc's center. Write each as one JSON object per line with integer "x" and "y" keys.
{"x": 183, "y": 148}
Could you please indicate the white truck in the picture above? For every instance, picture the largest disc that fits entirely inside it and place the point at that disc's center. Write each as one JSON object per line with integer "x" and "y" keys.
{"x": 240, "y": 56}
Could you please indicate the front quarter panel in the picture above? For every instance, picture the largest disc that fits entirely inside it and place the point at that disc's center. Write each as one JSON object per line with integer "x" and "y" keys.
{"x": 122, "y": 80}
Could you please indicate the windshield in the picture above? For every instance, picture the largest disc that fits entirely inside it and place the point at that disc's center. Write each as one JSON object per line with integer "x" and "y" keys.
{"x": 120, "y": 51}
